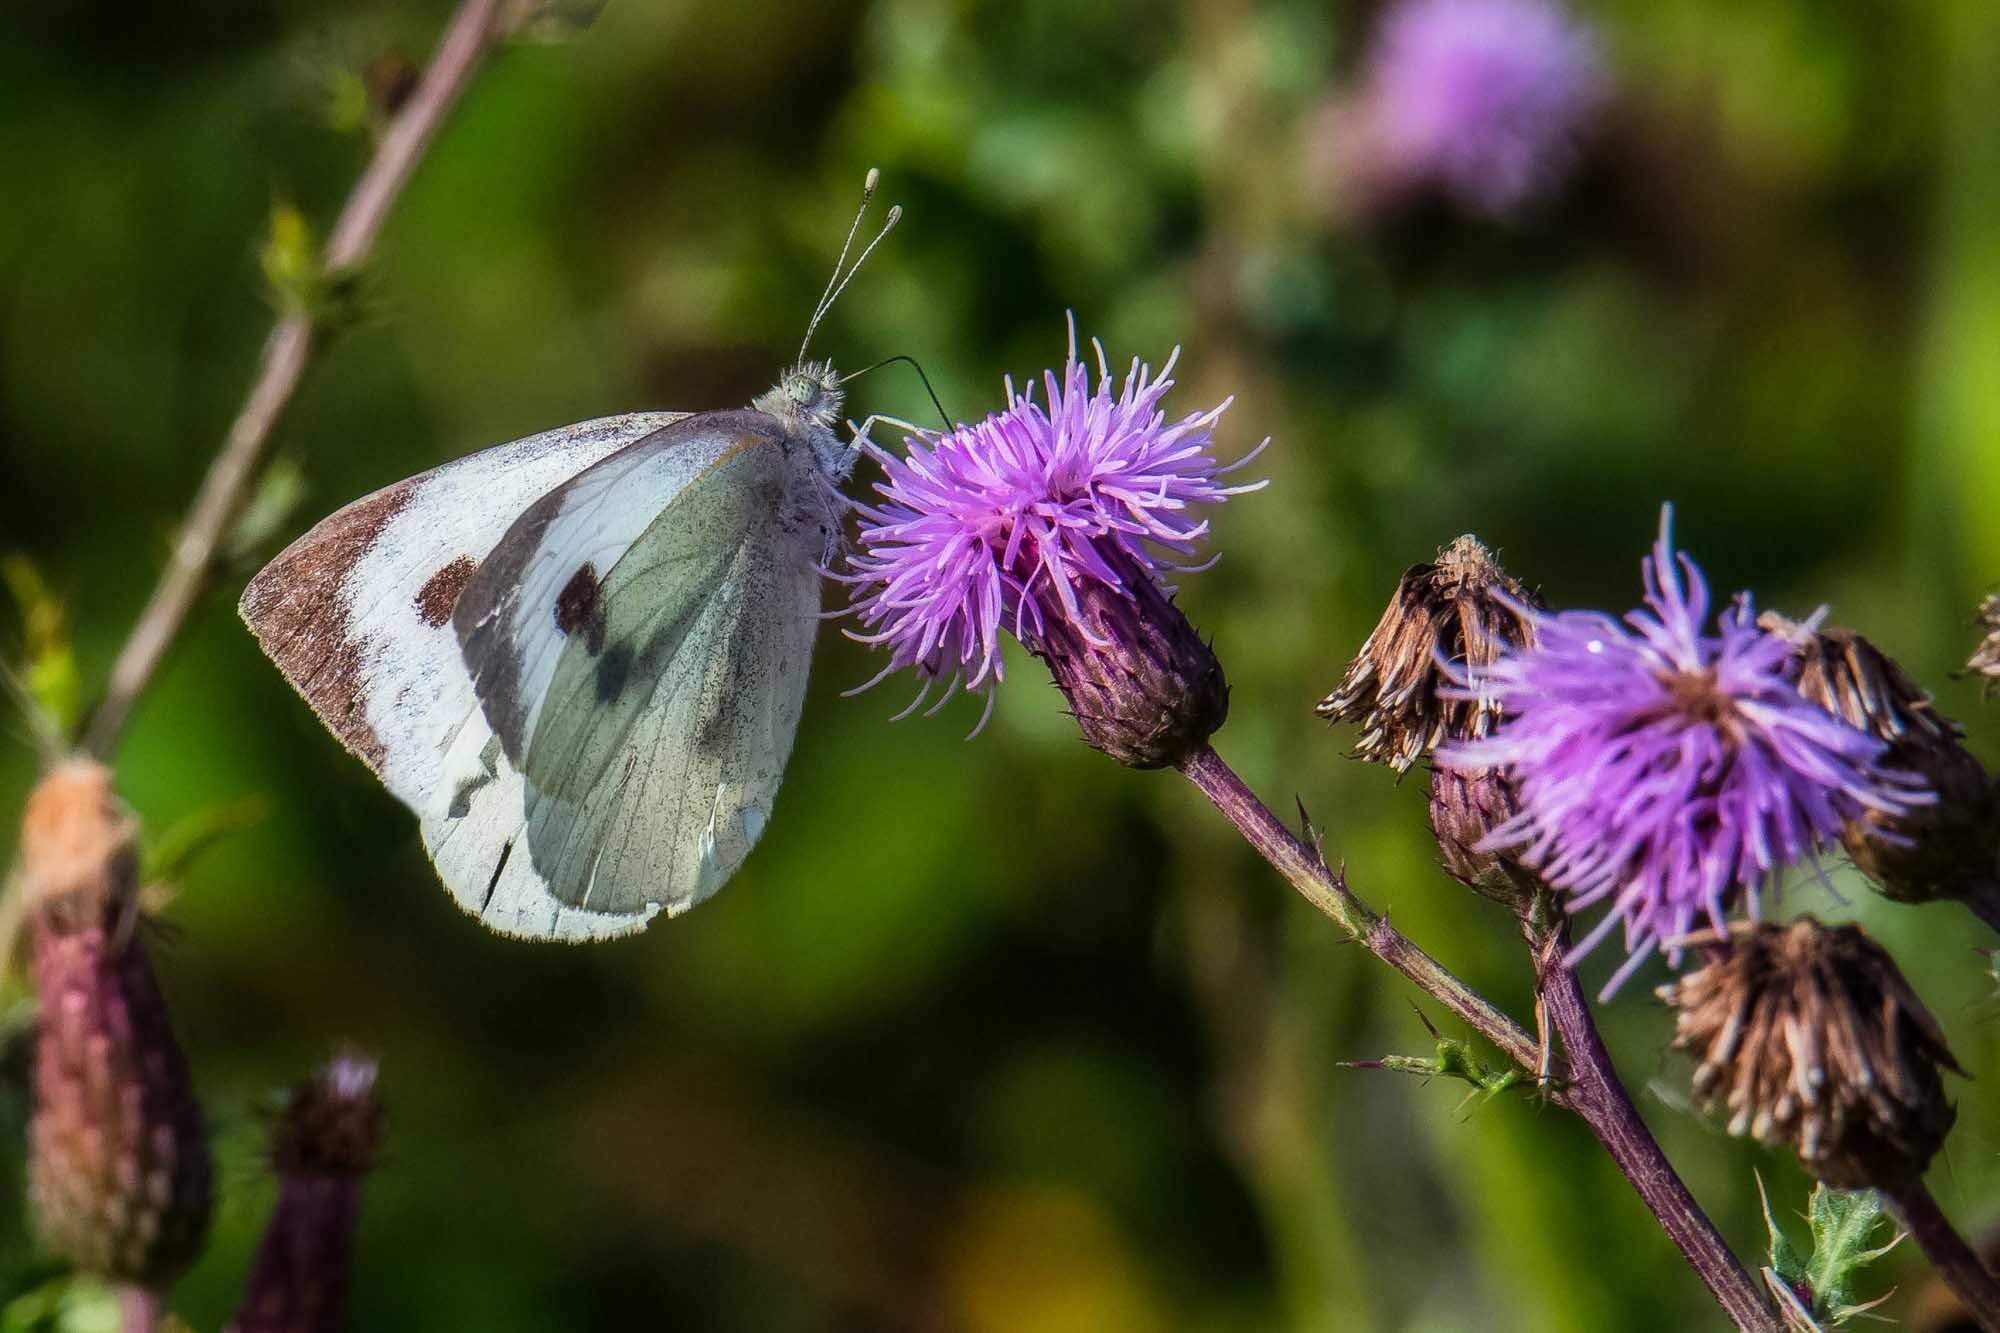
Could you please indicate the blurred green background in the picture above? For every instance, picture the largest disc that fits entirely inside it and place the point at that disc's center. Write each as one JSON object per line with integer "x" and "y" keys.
{"x": 996, "y": 1035}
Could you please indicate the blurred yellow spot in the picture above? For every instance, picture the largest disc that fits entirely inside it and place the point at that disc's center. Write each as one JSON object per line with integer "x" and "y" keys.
{"x": 1047, "y": 1258}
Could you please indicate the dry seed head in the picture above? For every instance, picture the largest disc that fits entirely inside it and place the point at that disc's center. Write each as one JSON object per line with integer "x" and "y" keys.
{"x": 1809, "y": 1037}
{"x": 1938, "y": 850}
{"x": 1464, "y": 608}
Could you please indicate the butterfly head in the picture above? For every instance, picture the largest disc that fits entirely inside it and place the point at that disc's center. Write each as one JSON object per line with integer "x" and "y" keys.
{"x": 808, "y": 394}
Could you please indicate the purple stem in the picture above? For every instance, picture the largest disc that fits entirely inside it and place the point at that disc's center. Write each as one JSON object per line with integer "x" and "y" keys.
{"x": 1600, "y": 1099}
{"x": 1955, "y": 1261}
{"x": 1591, "y": 1090}
{"x": 1326, "y": 889}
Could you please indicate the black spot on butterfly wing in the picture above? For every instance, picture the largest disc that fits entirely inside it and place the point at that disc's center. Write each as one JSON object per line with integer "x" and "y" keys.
{"x": 491, "y": 619}
{"x": 613, "y": 670}
{"x": 440, "y": 592}
{"x": 580, "y": 607}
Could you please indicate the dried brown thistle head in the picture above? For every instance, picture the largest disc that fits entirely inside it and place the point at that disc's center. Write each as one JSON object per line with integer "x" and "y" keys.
{"x": 1941, "y": 850}
{"x": 1809, "y": 1037}
{"x": 1463, "y": 608}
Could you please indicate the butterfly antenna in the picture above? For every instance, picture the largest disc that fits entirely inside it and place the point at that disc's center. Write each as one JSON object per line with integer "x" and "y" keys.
{"x": 833, "y": 282}
{"x": 889, "y": 360}
{"x": 888, "y": 225}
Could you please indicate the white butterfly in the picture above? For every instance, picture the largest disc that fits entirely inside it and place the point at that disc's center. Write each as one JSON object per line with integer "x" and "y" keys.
{"x": 580, "y": 657}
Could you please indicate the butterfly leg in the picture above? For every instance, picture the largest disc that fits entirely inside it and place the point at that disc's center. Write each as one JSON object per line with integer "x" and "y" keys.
{"x": 860, "y": 433}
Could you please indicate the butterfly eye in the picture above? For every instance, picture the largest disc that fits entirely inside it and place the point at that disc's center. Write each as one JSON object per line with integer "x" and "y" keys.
{"x": 802, "y": 389}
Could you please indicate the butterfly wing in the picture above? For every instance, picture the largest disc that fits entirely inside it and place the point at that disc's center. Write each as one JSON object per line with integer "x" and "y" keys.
{"x": 357, "y": 616}
{"x": 647, "y": 685}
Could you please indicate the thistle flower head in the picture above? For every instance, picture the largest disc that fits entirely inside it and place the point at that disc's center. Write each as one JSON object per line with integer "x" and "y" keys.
{"x": 1809, "y": 1037}
{"x": 1057, "y": 523}
{"x": 1484, "y": 99}
{"x": 1941, "y": 850}
{"x": 323, "y": 1144}
{"x": 1666, "y": 769}
{"x": 1461, "y": 612}
{"x": 119, "y": 1171}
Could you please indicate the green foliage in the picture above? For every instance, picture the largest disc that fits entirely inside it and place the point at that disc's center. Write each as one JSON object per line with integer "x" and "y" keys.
{"x": 50, "y": 689}
{"x": 63, "y": 1304}
{"x": 1843, "y": 1224}
{"x": 965, "y": 986}
{"x": 270, "y": 513}
{"x": 1453, "y": 1059}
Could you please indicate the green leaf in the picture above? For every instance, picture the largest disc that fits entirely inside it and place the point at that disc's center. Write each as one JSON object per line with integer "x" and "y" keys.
{"x": 1452, "y": 1059}
{"x": 1785, "y": 1258}
{"x": 67, "y": 1303}
{"x": 549, "y": 20}
{"x": 268, "y": 512}
{"x": 1844, "y": 1224}
{"x": 166, "y": 858}
{"x": 50, "y": 684}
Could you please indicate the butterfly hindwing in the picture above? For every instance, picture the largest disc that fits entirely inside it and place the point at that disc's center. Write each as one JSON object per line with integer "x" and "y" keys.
{"x": 646, "y": 684}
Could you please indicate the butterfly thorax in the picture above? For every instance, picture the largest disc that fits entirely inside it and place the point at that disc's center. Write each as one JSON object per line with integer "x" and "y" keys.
{"x": 806, "y": 401}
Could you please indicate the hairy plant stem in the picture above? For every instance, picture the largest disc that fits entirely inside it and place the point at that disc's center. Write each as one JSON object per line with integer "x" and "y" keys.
{"x": 287, "y": 352}
{"x": 1326, "y": 889}
{"x": 1955, "y": 1260}
{"x": 1589, "y": 1086}
{"x": 1597, "y": 1096}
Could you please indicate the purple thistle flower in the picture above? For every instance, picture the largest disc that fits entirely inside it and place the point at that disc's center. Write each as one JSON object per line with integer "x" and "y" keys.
{"x": 1665, "y": 769}
{"x": 1483, "y": 98}
{"x": 1025, "y": 520}
{"x": 323, "y": 1144}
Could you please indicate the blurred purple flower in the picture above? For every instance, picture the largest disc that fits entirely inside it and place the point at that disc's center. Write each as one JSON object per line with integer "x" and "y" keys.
{"x": 1484, "y": 99}
{"x": 1669, "y": 770}
{"x": 323, "y": 1145}
{"x": 1008, "y": 524}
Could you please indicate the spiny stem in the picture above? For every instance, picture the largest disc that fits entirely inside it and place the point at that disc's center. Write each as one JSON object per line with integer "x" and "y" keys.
{"x": 1592, "y": 1090}
{"x": 287, "y": 352}
{"x": 1955, "y": 1260}
{"x": 1307, "y": 871}
{"x": 1597, "y": 1096}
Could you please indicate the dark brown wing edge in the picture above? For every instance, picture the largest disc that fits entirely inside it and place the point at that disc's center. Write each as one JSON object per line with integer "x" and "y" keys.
{"x": 295, "y": 608}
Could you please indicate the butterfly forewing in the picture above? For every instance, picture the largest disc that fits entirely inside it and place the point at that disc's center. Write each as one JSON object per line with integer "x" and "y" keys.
{"x": 357, "y": 612}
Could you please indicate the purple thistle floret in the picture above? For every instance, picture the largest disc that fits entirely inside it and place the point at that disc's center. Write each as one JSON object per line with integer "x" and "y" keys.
{"x": 1003, "y": 524}
{"x": 1486, "y": 98}
{"x": 1666, "y": 770}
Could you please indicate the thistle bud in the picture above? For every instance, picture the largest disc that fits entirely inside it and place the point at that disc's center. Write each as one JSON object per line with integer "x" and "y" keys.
{"x": 119, "y": 1173}
{"x": 323, "y": 1144}
{"x": 1143, "y": 686}
{"x": 1462, "y": 609}
{"x": 1465, "y": 808}
{"x": 1809, "y": 1037}
{"x": 1942, "y": 849}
